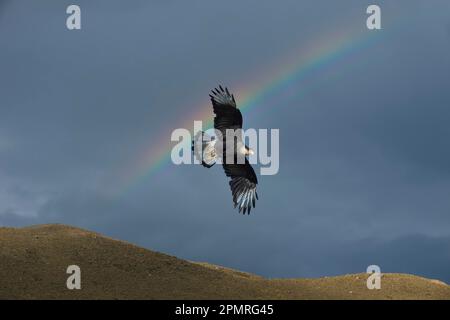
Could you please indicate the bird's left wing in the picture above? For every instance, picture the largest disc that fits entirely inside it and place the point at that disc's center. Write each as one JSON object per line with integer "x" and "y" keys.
{"x": 243, "y": 185}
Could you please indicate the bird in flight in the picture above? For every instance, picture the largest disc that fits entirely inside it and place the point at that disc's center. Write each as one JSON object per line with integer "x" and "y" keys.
{"x": 208, "y": 150}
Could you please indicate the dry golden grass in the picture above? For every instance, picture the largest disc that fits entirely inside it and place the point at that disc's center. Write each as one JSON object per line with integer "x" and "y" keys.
{"x": 33, "y": 264}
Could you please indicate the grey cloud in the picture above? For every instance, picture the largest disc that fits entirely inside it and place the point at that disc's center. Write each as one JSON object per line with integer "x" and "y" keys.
{"x": 364, "y": 164}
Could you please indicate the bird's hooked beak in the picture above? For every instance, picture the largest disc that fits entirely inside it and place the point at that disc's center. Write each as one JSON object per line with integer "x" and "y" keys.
{"x": 250, "y": 152}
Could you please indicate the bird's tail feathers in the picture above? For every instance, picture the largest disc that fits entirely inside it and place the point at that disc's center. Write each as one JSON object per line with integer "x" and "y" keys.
{"x": 204, "y": 151}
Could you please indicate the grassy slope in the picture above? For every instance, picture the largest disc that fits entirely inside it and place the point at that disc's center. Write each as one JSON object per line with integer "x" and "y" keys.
{"x": 33, "y": 264}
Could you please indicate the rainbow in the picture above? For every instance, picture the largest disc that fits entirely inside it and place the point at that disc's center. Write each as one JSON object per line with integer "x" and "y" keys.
{"x": 281, "y": 80}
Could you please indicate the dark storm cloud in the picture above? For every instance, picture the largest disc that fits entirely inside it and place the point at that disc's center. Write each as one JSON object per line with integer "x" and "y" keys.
{"x": 364, "y": 163}
{"x": 3, "y": 6}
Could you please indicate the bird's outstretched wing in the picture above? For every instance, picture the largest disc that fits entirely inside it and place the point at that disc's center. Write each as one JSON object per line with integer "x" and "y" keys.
{"x": 227, "y": 114}
{"x": 243, "y": 185}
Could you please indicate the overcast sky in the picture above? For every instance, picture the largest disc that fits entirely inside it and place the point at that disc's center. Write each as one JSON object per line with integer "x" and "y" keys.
{"x": 365, "y": 160}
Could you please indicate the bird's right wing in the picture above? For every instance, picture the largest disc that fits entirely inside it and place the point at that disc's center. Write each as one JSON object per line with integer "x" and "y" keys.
{"x": 227, "y": 114}
{"x": 243, "y": 185}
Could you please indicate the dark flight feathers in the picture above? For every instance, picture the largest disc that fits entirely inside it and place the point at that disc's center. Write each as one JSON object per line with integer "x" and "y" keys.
{"x": 243, "y": 178}
{"x": 224, "y": 107}
{"x": 243, "y": 185}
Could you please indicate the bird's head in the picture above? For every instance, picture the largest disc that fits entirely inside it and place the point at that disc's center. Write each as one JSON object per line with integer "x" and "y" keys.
{"x": 249, "y": 152}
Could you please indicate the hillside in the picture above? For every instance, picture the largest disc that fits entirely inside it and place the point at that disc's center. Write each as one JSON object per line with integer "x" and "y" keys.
{"x": 33, "y": 263}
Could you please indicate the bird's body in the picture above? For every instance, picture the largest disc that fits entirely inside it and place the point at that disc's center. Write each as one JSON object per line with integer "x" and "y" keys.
{"x": 230, "y": 149}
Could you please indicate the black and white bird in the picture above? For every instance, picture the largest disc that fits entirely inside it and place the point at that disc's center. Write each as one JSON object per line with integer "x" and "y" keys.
{"x": 228, "y": 119}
